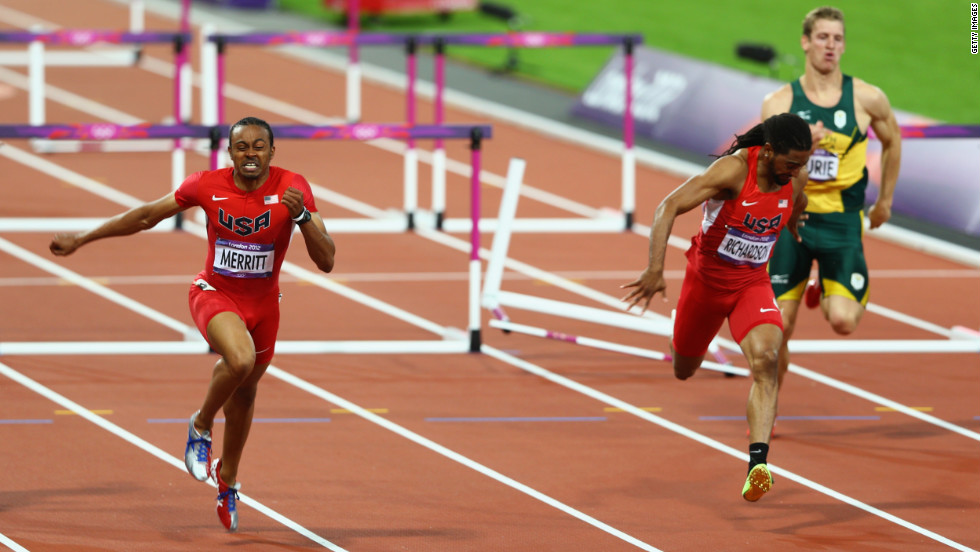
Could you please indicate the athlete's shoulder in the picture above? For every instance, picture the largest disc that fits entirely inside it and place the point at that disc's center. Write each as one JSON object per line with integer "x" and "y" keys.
{"x": 280, "y": 174}
{"x": 200, "y": 184}
{"x": 294, "y": 179}
{"x": 864, "y": 90}
{"x": 217, "y": 176}
{"x": 872, "y": 99}
{"x": 777, "y": 101}
{"x": 729, "y": 170}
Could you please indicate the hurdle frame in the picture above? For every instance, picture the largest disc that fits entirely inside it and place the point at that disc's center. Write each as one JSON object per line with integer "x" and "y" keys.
{"x": 101, "y": 58}
{"x": 475, "y": 134}
{"x": 535, "y": 39}
{"x": 493, "y": 298}
{"x": 82, "y": 37}
{"x": 215, "y": 44}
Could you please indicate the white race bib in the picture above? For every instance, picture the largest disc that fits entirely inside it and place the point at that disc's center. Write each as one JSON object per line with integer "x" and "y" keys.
{"x": 244, "y": 260}
{"x": 741, "y": 248}
{"x": 823, "y": 166}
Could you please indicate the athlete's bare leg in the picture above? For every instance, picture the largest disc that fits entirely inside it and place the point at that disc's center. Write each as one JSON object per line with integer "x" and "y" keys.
{"x": 238, "y": 410}
{"x": 761, "y": 348}
{"x": 789, "y": 310}
{"x": 842, "y": 312}
{"x": 229, "y": 338}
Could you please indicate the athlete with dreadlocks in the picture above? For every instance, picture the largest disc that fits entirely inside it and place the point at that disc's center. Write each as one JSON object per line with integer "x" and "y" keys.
{"x": 748, "y": 195}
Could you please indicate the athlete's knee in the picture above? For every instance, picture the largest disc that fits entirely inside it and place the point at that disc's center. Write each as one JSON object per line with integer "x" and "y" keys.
{"x": 843, "y": 324}
{"x": 789, "y": 326}
{"x": 789, "y": 311}
{"x": 239, "y": 362}
{"x": 683, "y": 372}
{"x": 685, "y": 367}
{"x": 764, "y": 363}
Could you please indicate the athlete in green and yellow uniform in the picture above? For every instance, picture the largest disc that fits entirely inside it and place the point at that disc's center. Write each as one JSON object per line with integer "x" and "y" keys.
{"x": 839, "y": 109}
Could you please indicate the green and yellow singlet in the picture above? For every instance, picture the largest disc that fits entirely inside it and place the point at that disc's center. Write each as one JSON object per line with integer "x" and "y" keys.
{"x": 838, "y": 171}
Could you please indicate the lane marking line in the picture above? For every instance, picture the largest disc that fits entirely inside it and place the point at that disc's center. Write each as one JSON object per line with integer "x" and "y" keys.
{"x": 9, "y": 543}
{"x": 717, "y": 445}
{"x": 154, "y": 450}
{"x": 345, "y": 411}
{"x": 585, "y": 390}
{"x": 453, "y": 455}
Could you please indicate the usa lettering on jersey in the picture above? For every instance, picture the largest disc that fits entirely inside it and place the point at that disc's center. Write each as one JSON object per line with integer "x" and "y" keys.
{"x": 761, "y": 225}
{"x": 245, "y": 226}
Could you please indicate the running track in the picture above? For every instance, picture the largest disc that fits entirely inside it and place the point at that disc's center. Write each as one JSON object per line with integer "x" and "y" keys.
{"x": 534, "y": 445}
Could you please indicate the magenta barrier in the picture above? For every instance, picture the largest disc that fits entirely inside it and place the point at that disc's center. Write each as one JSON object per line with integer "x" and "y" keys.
{"x": 353, "y": 39}
{"x": 361, "y": 132}
{"x": 87, "y": 37}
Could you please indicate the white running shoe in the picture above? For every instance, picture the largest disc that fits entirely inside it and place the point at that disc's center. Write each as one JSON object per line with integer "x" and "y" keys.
{"x": 197, "y": 455}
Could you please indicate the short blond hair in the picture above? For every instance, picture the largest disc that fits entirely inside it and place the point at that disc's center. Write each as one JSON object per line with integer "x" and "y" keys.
{"x": 824, "y": 12}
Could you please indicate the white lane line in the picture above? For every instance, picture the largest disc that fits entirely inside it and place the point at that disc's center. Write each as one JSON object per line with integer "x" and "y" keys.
{"x": 608, "y": 400}
{"x": 100, "y": 290}
{"x": 671, "y": 426}
{"x": 453, "y": 455}
{"x": 9, "y": 543}
{"x": 152, "y": 449}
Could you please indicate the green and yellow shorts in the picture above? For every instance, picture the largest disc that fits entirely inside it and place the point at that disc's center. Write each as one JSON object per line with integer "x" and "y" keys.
{"x": 833, "y": 240}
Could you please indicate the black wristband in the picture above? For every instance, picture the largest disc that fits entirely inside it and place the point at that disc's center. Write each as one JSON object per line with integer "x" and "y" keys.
{"x": 303, "y": 217}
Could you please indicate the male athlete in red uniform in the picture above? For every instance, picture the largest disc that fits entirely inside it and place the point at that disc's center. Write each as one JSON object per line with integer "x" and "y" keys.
{"x": 746, "y": 203}
{"x": 251, "y": 210}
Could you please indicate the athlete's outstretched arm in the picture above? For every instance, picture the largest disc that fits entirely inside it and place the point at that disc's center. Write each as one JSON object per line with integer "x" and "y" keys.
{"x": 723, "y": 177}
{"x": 890, "y": 135}
{"x": 800, "y": 201}
{"x": 144, "y": 217}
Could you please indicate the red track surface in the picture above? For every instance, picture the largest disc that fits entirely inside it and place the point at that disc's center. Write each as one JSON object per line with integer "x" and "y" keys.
{"x": 73, "y": 485}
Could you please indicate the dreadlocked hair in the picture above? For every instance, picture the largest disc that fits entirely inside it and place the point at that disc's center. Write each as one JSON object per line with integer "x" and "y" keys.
{"x": 784, "y": 132}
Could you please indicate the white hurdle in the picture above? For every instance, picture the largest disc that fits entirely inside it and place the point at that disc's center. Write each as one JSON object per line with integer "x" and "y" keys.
{"x": 493, "y": 298}
{"x": 37, "y": 58}
{"x": 959, "y": 339}
{"x": 110, "y": 57}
